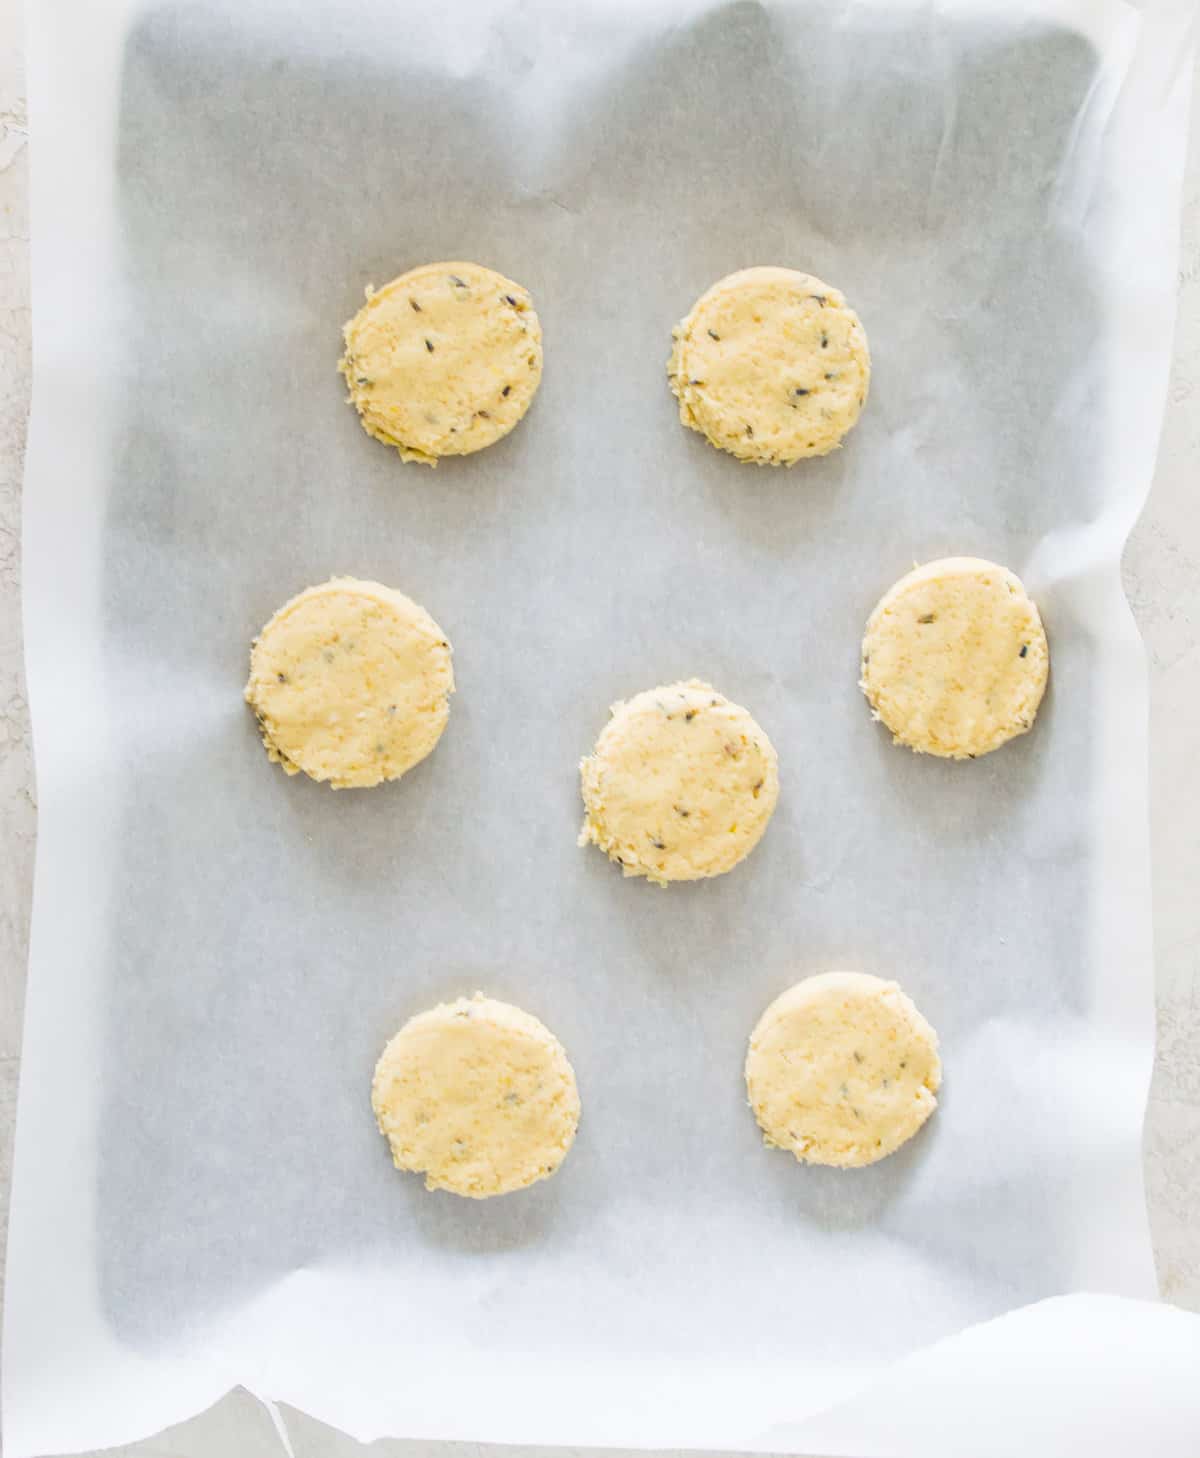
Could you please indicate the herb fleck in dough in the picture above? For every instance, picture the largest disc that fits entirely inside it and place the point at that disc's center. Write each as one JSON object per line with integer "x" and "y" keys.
{"x": 443, "y": 361}
{"x": 842, "y": 1069}
{"x": 955, "y": 659}
{"x": 478, "y": 1096}
{"x": 771, "y": 365}
{"x": 350, "y": 682}
{"x": 680, "y": 786}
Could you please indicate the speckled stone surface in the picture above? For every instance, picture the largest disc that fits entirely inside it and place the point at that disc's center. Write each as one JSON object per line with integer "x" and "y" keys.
{"x": 1162, "y": 577}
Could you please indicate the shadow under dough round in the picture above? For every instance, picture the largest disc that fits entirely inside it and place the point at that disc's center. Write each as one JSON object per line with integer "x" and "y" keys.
{"x": 842, "y": 1070}
{"x": 955, "y": 658}
{"x": 771, "y": 365}
{"x": 443, "y": 361}
{"x": 350, "y": 682}
{"x": 680, "y": 786}
{"x": 477, "y": 1096}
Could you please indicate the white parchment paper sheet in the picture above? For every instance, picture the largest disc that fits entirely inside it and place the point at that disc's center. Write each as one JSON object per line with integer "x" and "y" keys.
{"x": 219, "y": 953}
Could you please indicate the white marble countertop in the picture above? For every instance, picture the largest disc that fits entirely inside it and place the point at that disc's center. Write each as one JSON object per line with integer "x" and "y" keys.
{"x": 1162, "y": 577}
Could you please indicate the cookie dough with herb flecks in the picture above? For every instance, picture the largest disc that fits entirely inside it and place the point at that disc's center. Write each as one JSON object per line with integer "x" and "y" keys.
{"x": 771, "y": 365}
{"x": 443, "y": 361}
{"x": 955, "y": 659}
{"x": 680, "y": 786}
{"x": 477, "y": 1096}
{"x": 842, "y": 1069}
{"x": 350, "y": 683}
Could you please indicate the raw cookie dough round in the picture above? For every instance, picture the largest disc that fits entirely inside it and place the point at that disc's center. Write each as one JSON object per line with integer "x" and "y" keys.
{"x": 842, "y": 1069}
{"x": 443, "y": 361}
{"x": 680, "y": 786}
{"x": 954, "y": 658}
{"x": 350, "y": 682}
{"x": 771, "y": 365}
{"x": 476, "y": 1095}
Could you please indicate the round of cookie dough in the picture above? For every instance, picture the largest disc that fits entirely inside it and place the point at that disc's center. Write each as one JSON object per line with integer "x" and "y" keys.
{"x": 955, "y": 659}
{"x": 443, "y": 361}
{"x": 350, "y": 682}
{"x": 680, "y": 786}
{"x": 477, "y": 1096}
{"x": 842, "y": 1069}
{"x": 771, "y": 365}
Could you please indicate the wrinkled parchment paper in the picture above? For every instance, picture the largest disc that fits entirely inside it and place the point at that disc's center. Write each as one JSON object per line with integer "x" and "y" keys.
{"x": 219, "y": 952}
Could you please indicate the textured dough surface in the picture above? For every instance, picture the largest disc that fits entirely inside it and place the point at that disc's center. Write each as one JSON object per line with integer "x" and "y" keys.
{"x": 476, "y": 1095}
{"x": 350, "y": 682}
{"x": 955, "y": 659}
{"x": 444, "y": 360}
{"x": 771, "y": 365}
{"x": 680, "y": 786}
{"x": 842, "y": 1069}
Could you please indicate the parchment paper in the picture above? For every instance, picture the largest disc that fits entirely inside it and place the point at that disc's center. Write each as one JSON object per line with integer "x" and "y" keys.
{"x": 219, "y": 952}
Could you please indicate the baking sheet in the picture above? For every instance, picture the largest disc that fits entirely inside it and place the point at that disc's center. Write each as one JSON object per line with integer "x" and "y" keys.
{"x": 219, "y": 952}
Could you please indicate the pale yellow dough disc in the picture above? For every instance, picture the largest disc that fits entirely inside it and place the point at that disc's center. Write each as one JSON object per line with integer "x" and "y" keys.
{"x": 842, "y": 1069}
{"x": 478, "y": 1096}
{"x": 350, "y": 682}
{"x": 771, "y": 365}
{"x": 955, "y": 659}
{"x": 444, "y": 360}
{"x": 680, "y": 786}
